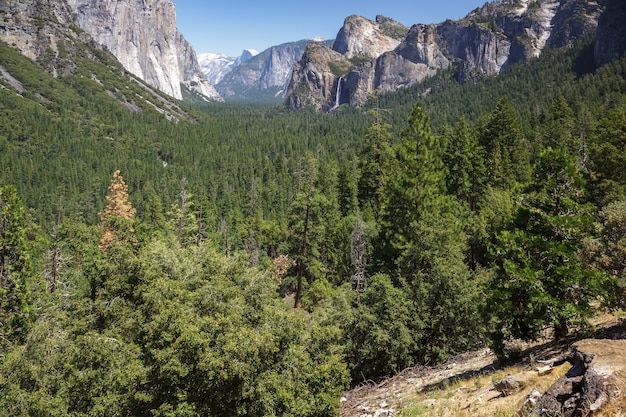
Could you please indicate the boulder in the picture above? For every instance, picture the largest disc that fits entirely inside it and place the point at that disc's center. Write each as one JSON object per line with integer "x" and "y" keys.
{"x": 598, "y": 375}
{"x": 508, "y": 385}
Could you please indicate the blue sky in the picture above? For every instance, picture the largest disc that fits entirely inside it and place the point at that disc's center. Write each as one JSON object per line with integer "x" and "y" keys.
{"x": 230, "y": 26}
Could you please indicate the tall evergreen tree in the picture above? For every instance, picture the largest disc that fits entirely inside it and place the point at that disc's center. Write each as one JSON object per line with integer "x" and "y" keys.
{"x": 307, "y": 228}
{"x": 541, "y": 280}
{"x": 373, "y": 165}
{"x": 416, "y": 184}
{"x": 466, "y": 167}
{"x": 608, "y": 157}
{"x": 607, "y": 251}
{"x": 506, "y": 150}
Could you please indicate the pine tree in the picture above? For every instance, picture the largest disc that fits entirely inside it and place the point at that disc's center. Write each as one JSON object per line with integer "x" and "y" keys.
{"x": 607, "y": 251}
{"x": 541, "y": 279}
{"x": 373, "y": 165}
{"x": 416, "y": 184}
{"x": 118, "y": 215}
{"x": 466, "y": 167}
{"x": 506, "y": 150}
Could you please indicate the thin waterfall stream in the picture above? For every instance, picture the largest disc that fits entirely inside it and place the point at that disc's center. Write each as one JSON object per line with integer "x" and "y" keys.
{"x": 337, "y": 94}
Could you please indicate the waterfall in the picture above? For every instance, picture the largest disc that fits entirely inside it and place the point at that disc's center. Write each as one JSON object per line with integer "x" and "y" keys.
{"x": 337, "y": 94}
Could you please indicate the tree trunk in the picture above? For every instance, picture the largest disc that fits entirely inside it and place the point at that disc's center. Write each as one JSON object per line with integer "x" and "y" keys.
{"x": 561, "y": 329}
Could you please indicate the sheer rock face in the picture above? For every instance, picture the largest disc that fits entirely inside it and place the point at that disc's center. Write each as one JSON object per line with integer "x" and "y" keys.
{"x": 485, "y": 42}
{"x": 611, "y": 35}
{"x": 192, "y": 75}
{"x": 277, "y": 67}
{"x": 271, "y": 68}
{"x": 313, "y": 83}
{"x": 143, "y": 37}
{"x": 264, "y": 75}
{"x": 26, "y": 25}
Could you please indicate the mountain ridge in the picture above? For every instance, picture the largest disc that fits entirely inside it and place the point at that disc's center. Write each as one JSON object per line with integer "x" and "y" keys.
{"x": 488, "y": 40}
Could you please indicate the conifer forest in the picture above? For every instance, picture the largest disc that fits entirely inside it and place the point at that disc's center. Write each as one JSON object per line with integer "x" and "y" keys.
{"x": 247, "y": 260}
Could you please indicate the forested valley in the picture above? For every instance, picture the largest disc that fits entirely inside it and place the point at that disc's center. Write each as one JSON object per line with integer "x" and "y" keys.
{"x": 248, "y": 260}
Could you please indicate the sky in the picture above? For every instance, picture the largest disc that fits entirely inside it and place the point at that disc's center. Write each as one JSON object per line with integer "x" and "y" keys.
{"x": 230, "y": 26}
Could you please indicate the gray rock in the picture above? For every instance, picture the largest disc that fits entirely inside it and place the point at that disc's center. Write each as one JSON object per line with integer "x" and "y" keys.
{"x": 508, "y": 385}
{"x": 599, "y": 369}
{"x": 611, "y": 35}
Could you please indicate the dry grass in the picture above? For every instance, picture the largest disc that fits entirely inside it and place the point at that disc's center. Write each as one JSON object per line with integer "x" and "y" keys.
{"x": 423, "y": 391}
{"x": 476, "y": 397}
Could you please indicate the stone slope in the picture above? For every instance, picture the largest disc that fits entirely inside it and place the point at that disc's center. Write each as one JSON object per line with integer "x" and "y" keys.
{"x": 611, "y": 35}
{"x": 360, "y": 37}
{"x": 35, "y": 28}
{"x": 359, "y": 40}
{"x": 316, "y": 79}
{"x": 47, "y": 33}
{"x": 548, "y": 380}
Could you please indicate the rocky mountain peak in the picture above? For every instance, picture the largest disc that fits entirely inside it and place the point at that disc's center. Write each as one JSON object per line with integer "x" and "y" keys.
{"x": 246, "y": 55}
{"x": 360, "y": 37}
{"x": 262, "y": 76}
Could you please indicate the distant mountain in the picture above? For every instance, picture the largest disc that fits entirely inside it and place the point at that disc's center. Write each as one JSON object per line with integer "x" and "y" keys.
{"x": 370, "y": 56}
{"x": 216, "y": 66}
{"x": 256, "y": 76}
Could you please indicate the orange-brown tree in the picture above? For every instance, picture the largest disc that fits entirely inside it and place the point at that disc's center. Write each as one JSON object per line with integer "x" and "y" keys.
{"x": 118, "y": 215}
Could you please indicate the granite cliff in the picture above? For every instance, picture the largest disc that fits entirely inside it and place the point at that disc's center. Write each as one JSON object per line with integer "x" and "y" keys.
{"x": 217, "y": 66}
{"x": 35, "y": 29}
{"x": 611, "y": 35}
{"x": 144, "y": 38}
{"x": 48, "y": 34}
{"x": 316, "y": 78}
{"x": 485, "y": 42}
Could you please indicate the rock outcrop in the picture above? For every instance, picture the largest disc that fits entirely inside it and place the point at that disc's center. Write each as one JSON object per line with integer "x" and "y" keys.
{"x": 316, "y": 78}
{"x": 48, "y": 34}
{"x": 216, "y": 66}
{"x": 36, "y": 29}
{"x": 192, "y": 76}
{"x": 597, "y": 377}
{"x": 143, "y": 37}
{"x": 486, "y": 41}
